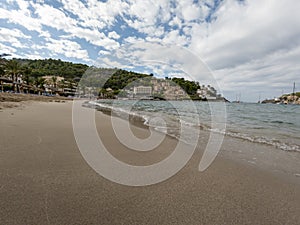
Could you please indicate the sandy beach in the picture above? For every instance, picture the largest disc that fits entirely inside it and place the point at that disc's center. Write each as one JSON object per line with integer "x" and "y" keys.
{"x": 45, "y": 180}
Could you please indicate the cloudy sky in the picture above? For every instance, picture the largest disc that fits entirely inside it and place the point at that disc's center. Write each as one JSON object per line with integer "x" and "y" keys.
{"x": 251, "y": 47}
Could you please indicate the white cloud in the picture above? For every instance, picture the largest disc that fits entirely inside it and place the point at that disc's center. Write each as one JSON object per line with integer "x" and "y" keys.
{"x": 243, "y": 32}
{"x": 69, "y": 25}
{"x": 109, "y": 44}
{"x": 190, "y": 12}
{"x": 162, "y": 59}
{"x": 269, "y": 75}
{"x": 95, "y": 14}
{"x": 45, "y": 15}
{"x": 7, "y": 49}
{"x": 35, "y": 55}
{"x": 104, "y": 52}
{"x": 250, "y": 45}
{"x": 85, "y": 17}
{"x": 67, "y": 48}
{"x": 174, "y": 37}
{"x": 176, "y": 22}
{"x": 12, "y": 36}
{"x": 113, "y": 35}
{"x": 112, "y": 63}
{"x": 22, "y": 17}
{"x": 50, "y": 16}
{"x": 144, "y": 16}
{"x": 148, "y": 16}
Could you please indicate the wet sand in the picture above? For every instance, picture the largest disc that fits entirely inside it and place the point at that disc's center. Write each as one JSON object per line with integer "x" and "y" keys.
{"x": 45, "y": 180}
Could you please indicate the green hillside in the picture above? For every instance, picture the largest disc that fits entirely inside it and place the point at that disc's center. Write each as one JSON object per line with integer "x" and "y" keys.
{"x": 100, "y": 79}
{"x": 53, "y": 67}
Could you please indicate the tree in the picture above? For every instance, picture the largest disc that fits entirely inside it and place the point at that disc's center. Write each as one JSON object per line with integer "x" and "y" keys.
{"x": 2, "y": 71}
{"x": 26, "y": 72}
{"x": 39, "y": 83}
{"x": 54, "y": 82}
{"x": 26, "y": 77}
{"x": 62, "y": 85}
{"x": 13, "y": 69}
{"x": 2, "y": 64}
{"x": 4, "y": 55}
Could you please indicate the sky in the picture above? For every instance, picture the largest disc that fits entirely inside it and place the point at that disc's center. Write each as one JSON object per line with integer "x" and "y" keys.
{"x": 245, "y": 48}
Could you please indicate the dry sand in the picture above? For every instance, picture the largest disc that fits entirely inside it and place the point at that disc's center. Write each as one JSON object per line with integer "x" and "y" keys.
{"x": 45, "y": 180}
{"x": 10, "y": 100}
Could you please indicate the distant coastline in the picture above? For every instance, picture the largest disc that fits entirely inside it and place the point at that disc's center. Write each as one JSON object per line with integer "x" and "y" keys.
{"x": 286, "y": 99}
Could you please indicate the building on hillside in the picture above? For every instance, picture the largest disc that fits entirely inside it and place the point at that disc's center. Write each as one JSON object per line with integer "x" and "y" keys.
{"x": 207, "y": 92}
{"x": 175, "y": 93}
{"x": 50, "y": 79}
{"x": 58, "y": 85}
{"x": 142, "y": 91}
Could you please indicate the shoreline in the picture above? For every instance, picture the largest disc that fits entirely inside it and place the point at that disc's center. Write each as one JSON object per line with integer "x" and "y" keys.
{"x": 283, "y": 145}
{"x": 265, "y": 155}
{"x": 44, "y": 178}
{"x": 258, "y": 148}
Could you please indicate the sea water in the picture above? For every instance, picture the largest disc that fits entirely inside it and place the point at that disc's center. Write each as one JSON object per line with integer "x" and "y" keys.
{"x": 269, "y": 124}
